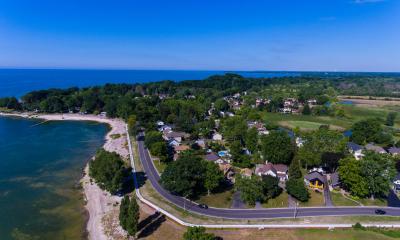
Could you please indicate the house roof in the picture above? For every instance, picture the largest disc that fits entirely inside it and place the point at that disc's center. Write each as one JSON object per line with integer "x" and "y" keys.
{"x": 211, "y": 157}
{"x": 394, "y": 150}
{"x": 246, "y": 171}
{"x": 354, "y": 146}
{"x": 173, "y": 134}
{"x": 314, "y": 175}
{"x": 263, "y": 168}
{"x": 375, "y": 148}
{"x": 280, "y": 167}
{"x": 181, "y": 148}
{"x": 335, "y": 179}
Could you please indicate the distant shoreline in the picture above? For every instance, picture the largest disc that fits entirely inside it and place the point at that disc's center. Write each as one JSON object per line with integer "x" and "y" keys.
{"x": 96, "y": 201}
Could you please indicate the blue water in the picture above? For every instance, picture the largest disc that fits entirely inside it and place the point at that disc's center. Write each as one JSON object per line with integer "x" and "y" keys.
{"x": 16, "y": 82}
{"x": 40, "y": 166}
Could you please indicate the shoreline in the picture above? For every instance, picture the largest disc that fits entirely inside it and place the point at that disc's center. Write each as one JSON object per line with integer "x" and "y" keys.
{"x": 101, "y": 208}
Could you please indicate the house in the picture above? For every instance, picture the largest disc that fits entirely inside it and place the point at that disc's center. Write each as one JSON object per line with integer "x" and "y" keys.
{"x": 227, "y": 169}
{"x": 160, "y": 124}
{"x": 212, "y": 157}
{"x": 275, "y": 170}
{"x": 181, "y": 148}
{"x": 165, "y": 128}
{"x": 312, "y": 102}
{"x": 259, "y": 126}
{"x": 299, "y": 142}
{"x": 315, "y": 180}
{"x": 265, "y": 169}
{"x": 394, "y": 151}
{"x": 217, "y": 137}
{"x": 201, "y": 143}
{"x": 356, "y": 150}
{"x": 396, "y": 183}
{"x": 282, "y": 171}
{"x": 178, "y": 136}
{"x": 246, "y": 172}
{"x": 173, "y": 143}
{"x": 375, "y": 148}
{"x": 286, "y": 110}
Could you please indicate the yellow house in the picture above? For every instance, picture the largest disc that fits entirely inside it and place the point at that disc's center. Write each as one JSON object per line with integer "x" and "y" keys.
{"x": 315, "y": 180}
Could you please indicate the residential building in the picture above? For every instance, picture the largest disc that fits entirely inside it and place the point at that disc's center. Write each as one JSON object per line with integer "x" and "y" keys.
{"x": 394, "y": 151}
{"x": 315, "y": 180}
{"x": 356, "y": 150}
{"x": 217, "y": 137}
{"x": 375, "y": 148}
{"x": 181, "y": 148}
{"x": 246, "y": 172}
{"x": 275, "y": 170}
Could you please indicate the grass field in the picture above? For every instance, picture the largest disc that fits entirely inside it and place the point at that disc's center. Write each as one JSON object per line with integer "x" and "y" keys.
{"x": 218, "y": 200}
{"x": 306, "y": 125}
{"x": 160, "y": 166}
{"x": 278, "y": 202}
{"x": 316, "y": 199}
{"x": 339, "y": 200}
{"x": 375, "y": 202}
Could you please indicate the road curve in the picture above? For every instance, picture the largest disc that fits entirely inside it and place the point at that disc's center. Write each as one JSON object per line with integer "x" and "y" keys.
{"x": 153, "y": 177}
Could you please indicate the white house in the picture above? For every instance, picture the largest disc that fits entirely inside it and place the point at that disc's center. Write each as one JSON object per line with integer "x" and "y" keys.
{"x": 217, "y": 137}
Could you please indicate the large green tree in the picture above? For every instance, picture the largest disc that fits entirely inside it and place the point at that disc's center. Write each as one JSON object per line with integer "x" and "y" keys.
{"x": 251, "y": 189}
{"x": 296, "y": 188}
{"x": 366, "y": 131}
{"x": 185, "y": 176}
{"x": 213, "y": 177}
{"x": 108, "y": 170}
{"x": 271, "y": 187}
{"x": 277, "y": 147}
{"x": 351, "y": 177}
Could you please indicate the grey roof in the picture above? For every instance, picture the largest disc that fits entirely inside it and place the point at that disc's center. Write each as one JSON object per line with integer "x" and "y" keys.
{"x": 394, "y": 150}
{"x": 335, "y": 179}
{"x": 211, "y": 157}
{"x": 354, "y": 146}
{"x": 281, "y": 167}
{"x": 314, "y": 175}
{"x": 375, "y": 148}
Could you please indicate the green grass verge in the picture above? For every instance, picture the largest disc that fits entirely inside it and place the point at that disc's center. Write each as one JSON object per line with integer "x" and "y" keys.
{"x": 279, "y": 202}
{"x": 339, "y": 200}
{"x": 218, "y": 200}
{"x": 316, "y": 199}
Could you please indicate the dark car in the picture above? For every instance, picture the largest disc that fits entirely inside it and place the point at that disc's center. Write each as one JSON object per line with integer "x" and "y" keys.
{"x": 203, "y": 206}
{"x": 380, "y": 212}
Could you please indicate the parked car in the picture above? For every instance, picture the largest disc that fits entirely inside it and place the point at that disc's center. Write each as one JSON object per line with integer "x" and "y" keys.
{"x": 204, "y": 206}
{"x": 380, "y": 212}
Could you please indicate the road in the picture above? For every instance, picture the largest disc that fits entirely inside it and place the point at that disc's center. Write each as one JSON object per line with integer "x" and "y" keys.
{"x": 153, "y": 177}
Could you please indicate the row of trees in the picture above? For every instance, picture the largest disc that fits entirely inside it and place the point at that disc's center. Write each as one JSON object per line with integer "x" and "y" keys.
{"x": 129, "y": 215}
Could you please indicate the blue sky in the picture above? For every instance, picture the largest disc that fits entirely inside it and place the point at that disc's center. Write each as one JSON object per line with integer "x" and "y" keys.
{"x": 322, "y": 35}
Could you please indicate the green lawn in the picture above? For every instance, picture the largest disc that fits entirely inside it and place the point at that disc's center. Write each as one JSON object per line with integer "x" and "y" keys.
{"x": 316, "y": 199}
{"x": 305, "y": 125}
{"x": 160, "y": 166}
{"x": 278, "y": 202}
{"x": 370, "y": 202}
{"x": 311, "y": 234}
{"x": 218, "y": 200}
{"x": 339, "y": 200}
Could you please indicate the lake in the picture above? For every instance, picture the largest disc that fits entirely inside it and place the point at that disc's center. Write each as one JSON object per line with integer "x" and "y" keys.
{"x": 40, "y": 168}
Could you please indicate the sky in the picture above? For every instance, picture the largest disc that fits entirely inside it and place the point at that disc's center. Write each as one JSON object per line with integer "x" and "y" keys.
{"x": 279, "y": 35}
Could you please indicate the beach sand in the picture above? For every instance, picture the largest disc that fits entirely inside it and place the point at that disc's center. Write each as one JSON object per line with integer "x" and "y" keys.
{"x": 102, "y": 207}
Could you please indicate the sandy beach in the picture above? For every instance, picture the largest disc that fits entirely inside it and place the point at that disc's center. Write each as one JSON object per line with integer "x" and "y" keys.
{"x": 102, "y": 207}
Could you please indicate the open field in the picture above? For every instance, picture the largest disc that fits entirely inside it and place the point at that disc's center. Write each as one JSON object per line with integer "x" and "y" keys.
{"x": 306, "y": 125}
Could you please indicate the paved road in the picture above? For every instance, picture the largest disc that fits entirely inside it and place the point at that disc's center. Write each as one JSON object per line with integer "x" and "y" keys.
{"x": 153, "y": 177}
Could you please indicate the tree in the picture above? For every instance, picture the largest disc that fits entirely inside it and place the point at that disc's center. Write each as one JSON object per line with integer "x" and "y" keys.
{"x": 132, "y": 124}
{"x": 294, "y": 170}
{"x": 252, "y": 140}
{"x": 152, "y": 137}
{"x": 296, "y": 188}
{"x": 378, "y": 170}
{"x": 213, "y": 178}
{"x": 198, "y": 233}
{"x": 221, "y": 105}
{"x": 251, "y": 189}
{"x": 277, "y": 147}
{"x": 271, "y": 187}
{"x": 366, "y": 131}
{"x": 159, "y": 149}
{"x": 351, "y": 178}
{"x": 306, "y": 110}
{"x": 318, "y": 143}
{"x": 184, "y": 176}
{"x": 390, "y": 118}
{"x": 124, "y": 211}
{"x": 132, "y": 217}
{"x": 108, "y": 171}
{"x": 234, "y": 129}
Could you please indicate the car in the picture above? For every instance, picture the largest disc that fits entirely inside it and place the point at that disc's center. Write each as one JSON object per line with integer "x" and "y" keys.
{"x": 380, "y": 212}
{"x": 204, "y": 206}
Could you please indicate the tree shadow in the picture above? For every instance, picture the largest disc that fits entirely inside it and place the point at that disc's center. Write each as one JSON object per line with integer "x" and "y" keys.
{"x": 140, "y": 178}
{"x": 148, "y": 220}
{"x": 152, "y": 226}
